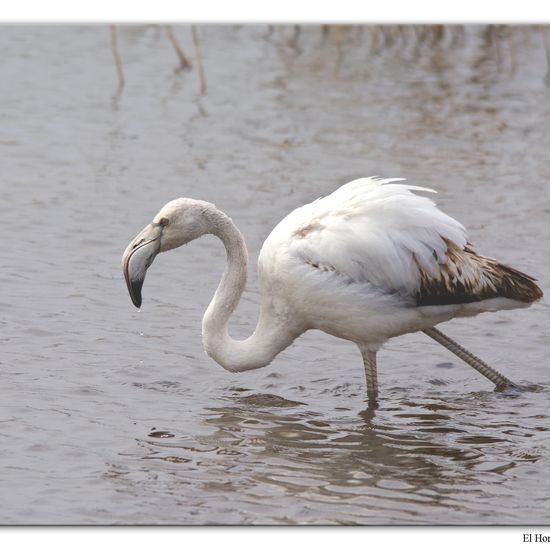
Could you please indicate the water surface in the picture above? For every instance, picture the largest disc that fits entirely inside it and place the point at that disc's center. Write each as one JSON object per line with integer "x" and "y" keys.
{"x": 110, "y": 415}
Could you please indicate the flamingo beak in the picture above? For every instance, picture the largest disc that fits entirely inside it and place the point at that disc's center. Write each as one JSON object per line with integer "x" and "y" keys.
{"x": 138, "y": 257}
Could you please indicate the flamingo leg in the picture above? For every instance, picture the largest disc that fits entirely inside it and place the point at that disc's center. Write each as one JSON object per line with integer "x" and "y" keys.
{"x": 369, "y": 361}
{"x": 499, "y": 380}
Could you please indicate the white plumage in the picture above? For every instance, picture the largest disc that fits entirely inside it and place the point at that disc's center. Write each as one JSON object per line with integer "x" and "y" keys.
{"x": 371, "y": 261}
{"x": 352, "y": 262}
{"x": 369, "y": 229}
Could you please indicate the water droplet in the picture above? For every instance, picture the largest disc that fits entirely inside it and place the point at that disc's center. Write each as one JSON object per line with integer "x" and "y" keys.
{"x": 161, "y": 434}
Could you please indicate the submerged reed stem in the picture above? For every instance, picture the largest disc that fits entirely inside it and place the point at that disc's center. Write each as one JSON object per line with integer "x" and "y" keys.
{"x": 199, "y": 59}
{"x": 184, "y": 61}
{"x": 116, "y": 56}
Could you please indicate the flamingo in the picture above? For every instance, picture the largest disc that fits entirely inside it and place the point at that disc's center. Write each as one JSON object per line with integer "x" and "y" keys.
{"x": 369, "y": 262}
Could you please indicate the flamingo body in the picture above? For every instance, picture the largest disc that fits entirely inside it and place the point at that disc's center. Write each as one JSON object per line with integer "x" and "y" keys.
{"x": 374, "y": 260}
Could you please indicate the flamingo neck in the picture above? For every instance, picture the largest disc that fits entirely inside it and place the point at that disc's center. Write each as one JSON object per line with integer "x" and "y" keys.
{"x": 270, "y": 336}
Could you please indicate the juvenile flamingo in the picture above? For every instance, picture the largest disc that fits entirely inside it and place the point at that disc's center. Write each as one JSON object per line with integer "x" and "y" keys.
{"x": 371, "y": 261}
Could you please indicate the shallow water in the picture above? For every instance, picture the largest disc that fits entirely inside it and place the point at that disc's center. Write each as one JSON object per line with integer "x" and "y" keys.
{"x": 110, "y": 415}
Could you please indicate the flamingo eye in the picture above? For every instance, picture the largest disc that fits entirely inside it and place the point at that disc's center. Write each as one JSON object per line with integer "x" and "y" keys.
{"x": 164, "y": 222}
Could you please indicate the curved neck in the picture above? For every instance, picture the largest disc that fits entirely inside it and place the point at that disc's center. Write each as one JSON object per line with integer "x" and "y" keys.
{"x": 270, "y": 336}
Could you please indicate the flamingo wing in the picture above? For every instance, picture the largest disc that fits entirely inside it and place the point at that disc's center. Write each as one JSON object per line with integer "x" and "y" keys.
{"x": 381, "y": 233}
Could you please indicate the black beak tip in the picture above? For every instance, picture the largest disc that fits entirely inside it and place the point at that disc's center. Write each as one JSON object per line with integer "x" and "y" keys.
{"x": 135, "y": 294}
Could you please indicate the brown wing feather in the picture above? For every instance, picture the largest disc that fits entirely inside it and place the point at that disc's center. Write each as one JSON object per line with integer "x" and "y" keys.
{"x": 467, "y": 277}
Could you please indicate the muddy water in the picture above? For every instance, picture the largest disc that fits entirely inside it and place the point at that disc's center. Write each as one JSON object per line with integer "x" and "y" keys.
{"x": 110, "y": 415}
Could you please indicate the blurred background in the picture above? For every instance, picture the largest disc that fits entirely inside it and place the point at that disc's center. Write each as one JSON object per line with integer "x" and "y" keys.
{"x": 110, "y": 415}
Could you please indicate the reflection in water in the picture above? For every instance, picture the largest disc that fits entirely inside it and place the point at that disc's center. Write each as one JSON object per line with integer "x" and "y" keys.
{"x": 429, "y": 454}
